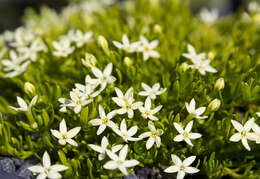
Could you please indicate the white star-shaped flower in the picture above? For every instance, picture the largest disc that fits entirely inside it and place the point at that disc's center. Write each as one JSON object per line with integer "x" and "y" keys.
{"x": 31, "y": 51}
{"x": 153, "y": 91}
{"x": 195, "y": 112}
{"x": 23, "y": 105}
{"x": 124, "y": 133}
{"x": 209, "y": 17}
{"x": 15, "y": 65}
{"x": 154, "y": 136}
{"x": 105, "y": 77}
{"x": 119, "y": 162}
{"x": 47, "y": 170}
{"x": 104, "y": 120}
{"x": 78, "y": 101}
{"x": 62, "y": 48}
{"x": 199, "y": 61}
{"x": 182, "y": 167}
{"x": 65, "y": 136}
{"x": 243, "y": 132}
{"x": 203, "y": 66}
{"x": 82, "y": 38}
{"x": 256, "y": 129}
{"x": 147, "y": 112}
{"x": 147, "y": 48}
{"x": 102, "y": 149}
{"x": 126, "y": 45}
{"x": 185, "y": 133}
{"x": 192, "y": 55}
{"x": 126, "y": 102}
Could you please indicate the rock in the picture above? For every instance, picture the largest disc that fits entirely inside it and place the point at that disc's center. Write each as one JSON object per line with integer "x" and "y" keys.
{"x": 23, "y": 171}
{"x": 131, "y": 176}
{"x": 17, "y": 162}
{"x": 7, "y": 165}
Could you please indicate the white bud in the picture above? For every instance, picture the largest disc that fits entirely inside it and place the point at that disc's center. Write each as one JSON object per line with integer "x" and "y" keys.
{"x": 220, "y": 84}
{"x": 128, "y": 61}
{"x": 102, "y": 42}
{"x": 184, "y": 66}
{"x": 157, "y": 28}
{"x": 214, "y": 105}
{"x": 29, "y": 88}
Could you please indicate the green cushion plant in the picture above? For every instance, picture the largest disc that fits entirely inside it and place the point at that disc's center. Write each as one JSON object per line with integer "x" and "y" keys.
{"x": 103, "y": 86}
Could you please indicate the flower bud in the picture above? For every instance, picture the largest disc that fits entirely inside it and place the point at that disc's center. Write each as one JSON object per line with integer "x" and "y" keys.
{"x": 157, "y": 28}
{"x": 29, "y": 88}
{"x": 102, "y": 42}
{"x": 184, "y": 67}
{"x": 90, "y": 60}
{"x": 128, "y": 61}
{"x": 211, "y": 55}
{"x": 220, "y": 84}
{"x": 214, "y": 105}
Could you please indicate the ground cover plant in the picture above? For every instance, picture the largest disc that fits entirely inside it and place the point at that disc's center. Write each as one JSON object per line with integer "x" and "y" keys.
{"x": 101, "y": 89}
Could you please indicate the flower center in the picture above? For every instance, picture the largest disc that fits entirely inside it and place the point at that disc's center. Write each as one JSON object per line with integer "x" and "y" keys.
{"x": 146, "y": 49}
{"x": 147, "y": 113}
{"x": 64, "y": 137}
{"x": 154, "y": 134}
{"x": 105, "y": 120}
{"x": 79, "y": 102}
{"x": 200, "y": 66}
{"x": 124, "y": 135}
{"x": 243, "y": 133}
{"x": 127, "y": 105}
{"x": 182, "y": 167}
{"x": 119, "y": 162}
{"x": 104, "y": 78}
{"x": 185, "y": 134}
{"x": 46, "y": 171}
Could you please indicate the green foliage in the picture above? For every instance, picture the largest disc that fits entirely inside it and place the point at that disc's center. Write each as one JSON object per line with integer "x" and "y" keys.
{"x": 235, "y": 49}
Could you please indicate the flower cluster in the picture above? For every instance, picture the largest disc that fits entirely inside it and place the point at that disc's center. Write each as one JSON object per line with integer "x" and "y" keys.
{"x": 143, "y": 46}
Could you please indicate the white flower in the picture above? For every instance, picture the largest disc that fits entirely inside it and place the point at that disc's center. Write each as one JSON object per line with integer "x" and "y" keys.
{"x": 256, "y": 129}
{"x": 185, "y": 134}
{"x": 203, "y": 66}
{"x": 124, "y": 133}
{"x": 65, "y": 136}
{"x": 192, "y": 55}
{"x": 154, "y": 136}
{"x": 147, "y": 112}
{"x": 209, "y": 17}
{"x": 153, "y": 91}
{"x": 105, "y": 77}
{"x": 119, "y": 161}
{"x": 104, "y": 120}
{"x": 15, "y": 65}
{"x": 47, "y": 170}
{"x": 195, "y": 112}
{"x": 78, "y": 101}
{"x": 126, "y": 102}
{"x": 243, "y": 132}
{"x": 102, "y": 149}
{"x": 253, "y": 7}
{"x": 63, "y": 48}
{"x": 64, "y": 104}
{"x": 31, "y": 52}
{"x": 258, "y": 113}
{"x": 182, "y": 167}
{"x": 147, "y": 48}
{"x": 199, "y": 61}
{"x": 81, "y": 38}
{"x": 23, "y": 105}
{"x": 126, "y": 45}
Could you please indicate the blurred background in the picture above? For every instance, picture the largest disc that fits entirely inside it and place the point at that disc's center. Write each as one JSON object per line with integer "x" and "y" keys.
{"x": 11, "y": 11}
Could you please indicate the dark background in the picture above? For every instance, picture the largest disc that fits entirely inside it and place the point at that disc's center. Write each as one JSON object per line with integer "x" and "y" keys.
{"x": 11, "y": 11}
